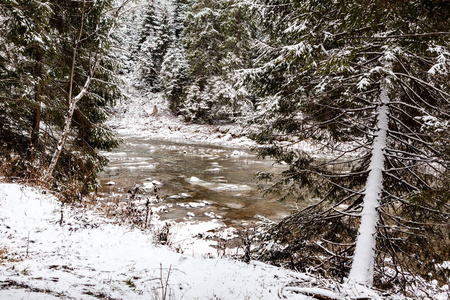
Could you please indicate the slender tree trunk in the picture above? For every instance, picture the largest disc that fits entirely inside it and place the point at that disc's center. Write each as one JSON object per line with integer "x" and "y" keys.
{"x": 36, "y": 119}
{"x": 37, "y": 99}
{"x": 364, "y": 258}
{"x": 65, "y": 133}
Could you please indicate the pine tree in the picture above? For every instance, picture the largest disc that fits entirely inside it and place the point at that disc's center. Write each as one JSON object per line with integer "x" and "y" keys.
{"x": 367, "y": 82}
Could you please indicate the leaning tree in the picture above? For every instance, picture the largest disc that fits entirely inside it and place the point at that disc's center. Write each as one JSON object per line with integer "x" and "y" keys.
{"x": 367, "y": 83}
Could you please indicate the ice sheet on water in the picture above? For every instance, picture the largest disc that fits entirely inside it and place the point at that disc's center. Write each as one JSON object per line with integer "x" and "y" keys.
{"x": 218, "y": 186}
{"x": 213, "y": 170}
{"x": 194, "y": 204}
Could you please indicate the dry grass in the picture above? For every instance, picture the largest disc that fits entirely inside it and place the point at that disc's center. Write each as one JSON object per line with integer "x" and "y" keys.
{"x": 3, "y": 254}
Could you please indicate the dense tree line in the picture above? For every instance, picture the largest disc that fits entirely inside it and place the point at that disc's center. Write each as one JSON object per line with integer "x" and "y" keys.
{"x": 193, "y": 53}
{"x": 54, "y": 54}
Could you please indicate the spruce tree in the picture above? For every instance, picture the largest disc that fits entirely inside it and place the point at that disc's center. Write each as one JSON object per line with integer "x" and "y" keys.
{"x": 367, "y": 84}
{"x": 173, "y": 75}
{"x": 26, "y": 50}
{"x": 179, "y": 15}
{"x": 156, "y": 37}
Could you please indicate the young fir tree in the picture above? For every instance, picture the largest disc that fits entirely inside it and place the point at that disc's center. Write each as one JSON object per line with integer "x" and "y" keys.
{"x": 368, "y": 83}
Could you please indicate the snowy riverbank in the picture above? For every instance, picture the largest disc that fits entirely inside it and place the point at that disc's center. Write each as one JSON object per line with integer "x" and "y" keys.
{"x": 89, "y": 257}
{"x": 146, "y": 114}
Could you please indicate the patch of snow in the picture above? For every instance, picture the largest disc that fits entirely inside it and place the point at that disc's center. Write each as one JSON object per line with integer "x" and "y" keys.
{"x": 194, "y": 204}
{"x": 213, "y": 215}
{"x": 180, "y": 196}
{"x": 219, "y": 187}
{"x": 195, "y": 179}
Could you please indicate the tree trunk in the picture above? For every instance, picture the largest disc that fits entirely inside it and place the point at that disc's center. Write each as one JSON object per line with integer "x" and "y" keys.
{"x": 364, "y": 258}
{"x": 36, "y": 119}
{"x": 37, "y": 103}
{"x": 65, "y": 133}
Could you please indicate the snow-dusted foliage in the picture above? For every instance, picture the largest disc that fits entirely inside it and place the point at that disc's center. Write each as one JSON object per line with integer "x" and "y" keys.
{"x": 368, "y": 83}
{"x": 173, "y": 75}
{"x": 215, "y": 40}
{"x": 191, "y": 51}
{"x": 50, "y": 50}
{"x": 127, "y": 34}
{"x": 155, "y": 39}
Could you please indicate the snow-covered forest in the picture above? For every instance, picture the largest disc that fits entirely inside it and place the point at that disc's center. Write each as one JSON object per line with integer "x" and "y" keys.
{"x": 350, "y": 100}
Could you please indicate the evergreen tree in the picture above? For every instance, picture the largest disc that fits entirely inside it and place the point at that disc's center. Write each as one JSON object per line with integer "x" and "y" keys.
{"x": 25, "y": 50}
{"x": 91, "y": 25}
{"x": 179, "y": 15}
{"x": 155, "y": 40}
{"x": 215, "y": 40}
{"x": 173, "y": 75}
{"x": 50, "y": 58}
{"x": 127, "y": 35}
{"x": 367, "y": 82}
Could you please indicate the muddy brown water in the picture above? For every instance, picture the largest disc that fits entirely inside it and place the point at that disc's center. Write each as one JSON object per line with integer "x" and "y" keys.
{"x": 188, "y": 176}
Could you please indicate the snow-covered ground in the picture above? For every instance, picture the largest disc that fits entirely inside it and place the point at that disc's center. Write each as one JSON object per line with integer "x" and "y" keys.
{"x": 89, "y": 257}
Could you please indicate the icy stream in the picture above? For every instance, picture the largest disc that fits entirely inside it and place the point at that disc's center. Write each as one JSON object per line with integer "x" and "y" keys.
{"x": 197, "y": 181}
